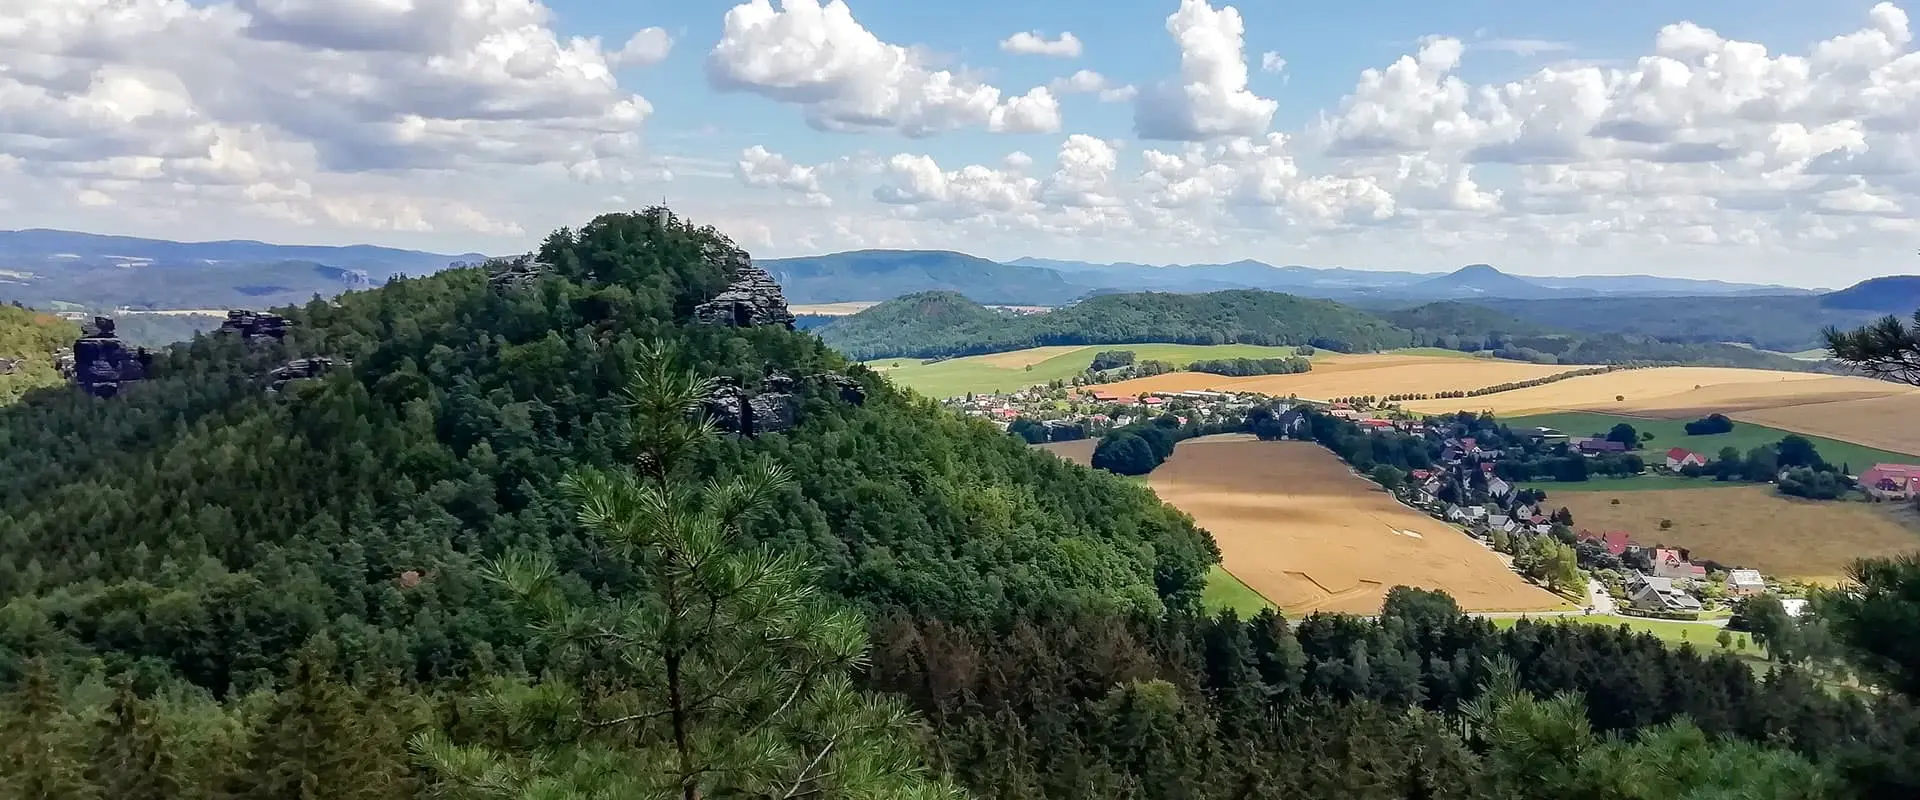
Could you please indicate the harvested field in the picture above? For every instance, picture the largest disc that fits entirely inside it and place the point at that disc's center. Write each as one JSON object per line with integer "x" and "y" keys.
{"x": 1018, "y": 369}
{"x": 1351, "y": 375}
{"x": 1749, "y": 526}
{"x": 1018, "y": 359}
{"x": 1671, "y": 392}
{"x": 1887, "y": 423}
{"x": 1297, "y": 526}
{"x": 1079, "y": 451}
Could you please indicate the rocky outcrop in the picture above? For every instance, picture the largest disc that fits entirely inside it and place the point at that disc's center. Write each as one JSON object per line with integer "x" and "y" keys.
{"x": 102, "y": 363}
{"x": 753, "y": 298}
{"x": 508, "y": 274}
{"x": 849, "y": 390}
{"x": 736, "y": 410}
{"x": 775, "y": 407}
{"x": 8, "y": 366}
{"x": 256, "y": 326}
{"x": 301, "y": 369}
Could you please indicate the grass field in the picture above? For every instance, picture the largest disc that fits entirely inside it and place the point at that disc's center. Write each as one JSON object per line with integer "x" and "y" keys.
{"x": 1350, "y": 375}
{"x": 1670, "y": 392}
{"x": 1674, "y": 633}
{"x": 1004, "y": 372}
{"x": 1227, "y": 592}
{"x": 1299, "y": 528}
{"x": 1670, "y": 433}
{"x": 1749, "y": 526}
{"x": 1633, "y": 483}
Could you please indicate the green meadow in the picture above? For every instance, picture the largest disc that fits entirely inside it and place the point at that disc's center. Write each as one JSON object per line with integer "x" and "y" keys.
{"x": 1671, "y": 433}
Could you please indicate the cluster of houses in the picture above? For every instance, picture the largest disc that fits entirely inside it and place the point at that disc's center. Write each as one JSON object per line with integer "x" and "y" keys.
{"x": 1891, "y": 481}
{"x": 1096, "y": 411}
{"x": 1672, "y": 584}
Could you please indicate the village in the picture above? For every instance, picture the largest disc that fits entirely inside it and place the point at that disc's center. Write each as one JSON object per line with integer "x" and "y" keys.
{"x": 1624, "y": 572}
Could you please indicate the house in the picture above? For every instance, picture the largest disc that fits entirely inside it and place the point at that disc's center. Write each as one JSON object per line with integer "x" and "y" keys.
{"x": 1501, "y": 522}
{"x": 1679, "y": 458}
{"x": 1152, "y": 401}
{"x": 1794, "y": 606}
{"x": 1499, "y": 489}
{"x": 1421, "y": 474}
{"x": 1668, "y": 563}
{"x": 1593, "y": 447}
{"x": 1745, "y": 582}
{"x": 1546, "y": 435}
{"x": 1891, "y": 481}
{"x": 1649, "y": 593}
{"x": 1615, "y": 541}
{"x": 1344, "y": 413}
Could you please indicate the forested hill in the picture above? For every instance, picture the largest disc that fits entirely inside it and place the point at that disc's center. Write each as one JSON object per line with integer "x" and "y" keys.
{"x": 1464, "y": 326}
{"x": 455, "y": 568}
{"x": 940, "y": 324}
{"x": 28, "y": 340}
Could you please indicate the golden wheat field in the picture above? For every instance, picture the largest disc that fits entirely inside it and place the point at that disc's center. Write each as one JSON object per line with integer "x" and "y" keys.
{"x": 1353, "y": 375}
{"x": 1748, "y": 526}
{"x": 1297, "y": 526}
{"x": 1669, "y": 392}
{"x": 1888, "y": 423}
{"x": 1079, "y": 451}
{"x": 832, "y": 309}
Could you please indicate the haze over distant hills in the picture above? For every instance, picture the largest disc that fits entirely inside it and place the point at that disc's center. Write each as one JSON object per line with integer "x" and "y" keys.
{"x": 54, "y": 268}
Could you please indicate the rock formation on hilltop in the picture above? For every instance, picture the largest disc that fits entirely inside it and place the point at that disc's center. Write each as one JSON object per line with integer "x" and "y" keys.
{"x": 102, "y": 363}
{"x": 300, "y": 369}
{"x": 8, "y": 366}
{"x": 256, "y": 325}
{"x": 516, "y": 273}
{"x": 752, "y": 299}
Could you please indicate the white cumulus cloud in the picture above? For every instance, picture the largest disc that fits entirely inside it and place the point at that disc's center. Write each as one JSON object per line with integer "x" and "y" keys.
{"x": 817, "y": 56}
{"x": 1210, "y": 97}
{"x": 1033, "y": 43}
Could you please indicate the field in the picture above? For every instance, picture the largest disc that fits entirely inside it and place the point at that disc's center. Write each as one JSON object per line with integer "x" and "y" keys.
{"x": 1350, "y": 375}
{"x": 1299, "y": 528}
{"x": 1671, "y": 392}
{"x": 1749, "y": 526}
{"x": 831, "y": 309}
{"x": 1670, "y": 433}
{"x": 1079, "y": 451}
{"x": 1227, "y": 592}
{"x": 1005, "y": 372}
{"x": 1888, "y": 423}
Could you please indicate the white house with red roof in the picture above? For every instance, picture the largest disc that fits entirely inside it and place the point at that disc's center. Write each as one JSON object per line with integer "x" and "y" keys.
{"x": 1681, "y": 457}
{"x": 1891, "y": 481}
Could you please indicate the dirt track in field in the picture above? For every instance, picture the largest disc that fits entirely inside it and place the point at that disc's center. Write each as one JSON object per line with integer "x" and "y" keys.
{"x": 1297, "y": 526}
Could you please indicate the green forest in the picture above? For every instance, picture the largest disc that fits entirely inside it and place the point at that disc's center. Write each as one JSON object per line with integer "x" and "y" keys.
{"x": 504, "y": 555}
{"x": 28, "y": 340}
{"x": 932, "y": 324}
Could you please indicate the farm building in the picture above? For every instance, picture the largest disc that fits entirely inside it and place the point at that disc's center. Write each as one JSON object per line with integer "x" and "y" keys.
{"x": 1680, "y": 457}
{"x": 1597, "y": 446}
{"x": 1616, "y": 542}
{"x": 1891, "y": 481}
{"x": 1745, "y": 582}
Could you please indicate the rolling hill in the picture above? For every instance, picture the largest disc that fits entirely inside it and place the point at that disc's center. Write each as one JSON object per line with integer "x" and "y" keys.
{"x": 887, "y": 274}
{"x": 1893, "y": 294}
{"x": 28, "y": 340}
{"x": 922, "y": 326}
{"x": 1479, "y": 280}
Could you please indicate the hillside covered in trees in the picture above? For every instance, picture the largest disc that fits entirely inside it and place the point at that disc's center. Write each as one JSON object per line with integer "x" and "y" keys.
{"x": 940, "y": 324}
{"x": 28, "y": 340}
{"x": 493, "y": 555}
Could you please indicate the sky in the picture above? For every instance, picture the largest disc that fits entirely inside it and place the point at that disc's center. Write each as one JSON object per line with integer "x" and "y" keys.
{"x": 1757, "y": 140}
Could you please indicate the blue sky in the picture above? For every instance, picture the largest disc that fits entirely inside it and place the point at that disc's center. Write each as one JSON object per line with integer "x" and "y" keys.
{"x": 1765, "y": 139}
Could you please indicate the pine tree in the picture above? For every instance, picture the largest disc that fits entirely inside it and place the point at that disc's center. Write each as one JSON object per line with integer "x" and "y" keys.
{"x": 313, "y": 742}
{"x": 723, "y": 674}
{"x": 132, "y": 760}
{"x": 35, "y": 756}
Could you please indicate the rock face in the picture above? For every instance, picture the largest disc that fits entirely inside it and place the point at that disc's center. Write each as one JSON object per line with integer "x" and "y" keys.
{"x": 752, "y": 299}
{"x": 516, "y": 273}
{"x": 102, "y": 363}
{"x": 8, "y": 366}
{"x": 739, "y": 411}
{"x": 300, "y": 369}
{"x": 775, "y": 408}
{"x": 256, "y": 326}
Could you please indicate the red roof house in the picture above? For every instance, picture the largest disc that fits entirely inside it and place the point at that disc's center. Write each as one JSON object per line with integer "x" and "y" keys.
{"x": 1615, "y": 541}
{"x": 1891, "y": 481}
{"x": 1680, "y": 457}
{"x": 1153, "y": 401}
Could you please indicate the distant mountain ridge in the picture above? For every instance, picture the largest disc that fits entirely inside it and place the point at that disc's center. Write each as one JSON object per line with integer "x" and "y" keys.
{"x": 374, "y": 259}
